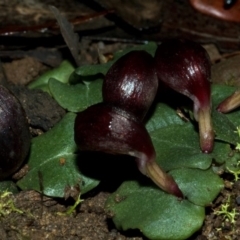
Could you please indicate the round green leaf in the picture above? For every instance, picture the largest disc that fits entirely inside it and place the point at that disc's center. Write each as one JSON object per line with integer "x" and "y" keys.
{"x": 224, "y": 128}
{"x": 177, "y": 146}
{"x": 221, "y": 152}
{"x": 163, "y": 116}
{"x": 76, "y": 98}
{"x": 224, "y": 124}
{"x": 61, "y": 73}
{"x": 158, "y": 215}
{"x": 199, "y": 186}
{"x": 53, "y": 156}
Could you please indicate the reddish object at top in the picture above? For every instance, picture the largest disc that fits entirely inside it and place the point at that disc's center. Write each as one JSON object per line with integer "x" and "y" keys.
{"x": 215, "y": 8}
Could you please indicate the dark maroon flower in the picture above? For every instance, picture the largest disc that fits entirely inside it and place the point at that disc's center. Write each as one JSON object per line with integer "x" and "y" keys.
{"x": 131, "y": 83}
{"x": 185, "y": 67}
{"x": 109, "y": 129}
{"x": 14, "y": 133}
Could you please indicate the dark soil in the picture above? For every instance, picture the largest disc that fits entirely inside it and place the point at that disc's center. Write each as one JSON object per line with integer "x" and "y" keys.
{"x": 46, "y": 218}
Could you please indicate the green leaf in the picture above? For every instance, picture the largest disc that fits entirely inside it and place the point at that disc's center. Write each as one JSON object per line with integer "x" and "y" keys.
{"x": 224, "y": 124}
{"x": 224, "y": 128}
{"x": 61, "y": 73}
{"x": 177, "y": 146}
{"x": 220, "y": 92}
{"x": 221, "y": 152}
{"x": 76, "y": 98}
{"x": 233, "y": 162}
{"x": 176, "y": 142}
{"x": 90, "y": 70}
{"x": 199, "y": 186}
{"x": 53, "y": 155}
{"x": 163, "y": 116}
{"x": 156, "y": 214}
{"x": 162, "y": 216}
